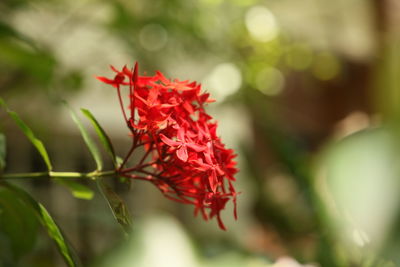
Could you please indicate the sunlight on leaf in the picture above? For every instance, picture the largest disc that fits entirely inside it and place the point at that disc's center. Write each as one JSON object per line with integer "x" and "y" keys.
{"x": 78, "y": 190}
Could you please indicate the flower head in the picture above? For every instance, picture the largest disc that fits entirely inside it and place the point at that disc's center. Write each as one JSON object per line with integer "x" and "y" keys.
{"x": 187, "y": 160}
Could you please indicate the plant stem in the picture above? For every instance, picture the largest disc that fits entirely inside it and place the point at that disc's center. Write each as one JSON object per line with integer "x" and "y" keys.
{"x": 134, "y": 143}
{"x": 51, "y": 174}
{"x": 121, "y": 103}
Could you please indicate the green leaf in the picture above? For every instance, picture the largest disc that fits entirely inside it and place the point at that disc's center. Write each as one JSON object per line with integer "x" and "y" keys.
{"x": 78, "y": 190}
{"x": 2, "y": 152}
{"x": 18, "y": 228}
{"x": 117, "y": 205}
{"x": 47, "y": 221}
{"x": 105, "y": 140}
{"x": 29, "y": 134}
{"x": 88, "y": 140}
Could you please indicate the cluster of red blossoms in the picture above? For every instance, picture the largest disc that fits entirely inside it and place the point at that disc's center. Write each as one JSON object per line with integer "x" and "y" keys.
{"x": 183, "y": 155}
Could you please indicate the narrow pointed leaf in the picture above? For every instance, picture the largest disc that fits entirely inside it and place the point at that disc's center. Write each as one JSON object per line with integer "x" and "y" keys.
{"x": 48, "y": 223}
{"x": 105, "y": 140}
{"x": 2, "y": 152}
{"x": 117, "y": 205}
{"x": 29, "y": 134}
{"x": 88, "y": 141}
{"x": 78, "y": 190}
{"x": 18, "y": 228}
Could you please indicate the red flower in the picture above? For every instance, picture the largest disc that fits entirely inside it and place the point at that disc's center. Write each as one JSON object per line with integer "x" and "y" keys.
{"x": 181, "y": 144}
{"x": 188, "y": 162}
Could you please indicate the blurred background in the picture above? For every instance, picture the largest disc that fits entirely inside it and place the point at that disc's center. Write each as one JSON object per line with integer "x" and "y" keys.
{"x": 307, "y": 94}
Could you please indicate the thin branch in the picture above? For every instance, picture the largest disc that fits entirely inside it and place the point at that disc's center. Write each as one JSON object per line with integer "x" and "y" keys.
{"x": 51, "y": 174}
{"x": 121, "y": 103}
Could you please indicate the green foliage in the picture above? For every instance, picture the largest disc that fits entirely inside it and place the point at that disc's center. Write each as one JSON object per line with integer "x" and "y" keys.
{"x": 2, "y": 152}
{"x": 117, "y": 205}
{"x": 88, "y": 141}
{"x": 105, "y": 140}
{"x": 44, "y": 218}
{"x": 72, "y": 80}
{"x": 18, "y": 228}
{"x": 24, "y": 55}
{"x": 29, "y": 134}
{"x": 38, "y": 64}
{"x": 27, "y": 64}
{"x": 54, "y": 233}
{"x": 8, "y": 31}
{"x": 78, "y": 190}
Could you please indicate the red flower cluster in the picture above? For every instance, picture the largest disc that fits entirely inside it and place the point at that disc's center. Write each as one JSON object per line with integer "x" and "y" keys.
{"x": 188, "y": 162}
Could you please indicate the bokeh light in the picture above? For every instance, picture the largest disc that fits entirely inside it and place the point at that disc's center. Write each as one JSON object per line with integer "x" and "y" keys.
{"x": 223, "y": 80}
{"x": 261, "y": 24}
{"x": 153, "y": 37}
{"x": 270, "y": 81}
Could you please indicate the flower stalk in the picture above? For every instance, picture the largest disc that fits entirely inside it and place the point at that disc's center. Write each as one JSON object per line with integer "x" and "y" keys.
{"x": 51, "y": 174}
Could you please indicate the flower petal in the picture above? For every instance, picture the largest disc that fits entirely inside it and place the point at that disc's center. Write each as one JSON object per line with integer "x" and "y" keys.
{"x": 105, "y": 80}
{"x": 169, "y": 141}
{"x": 213, "y": 180}
{"x": 182, "y": 153}
{"x": 196, "y": 147}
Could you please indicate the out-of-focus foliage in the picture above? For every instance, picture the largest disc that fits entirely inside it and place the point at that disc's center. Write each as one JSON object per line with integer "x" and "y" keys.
{"x": 19, "y": 227}
{"x": 19, "y": 218}
{"x": 29, "y": 65}
{"x": 2, "y": 152}
{"x": 38, "y": 144}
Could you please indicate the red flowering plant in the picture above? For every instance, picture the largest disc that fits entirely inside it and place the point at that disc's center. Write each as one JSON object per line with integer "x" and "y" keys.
{"x": 175, "y": 146}
{"x": 184, "y": 157}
